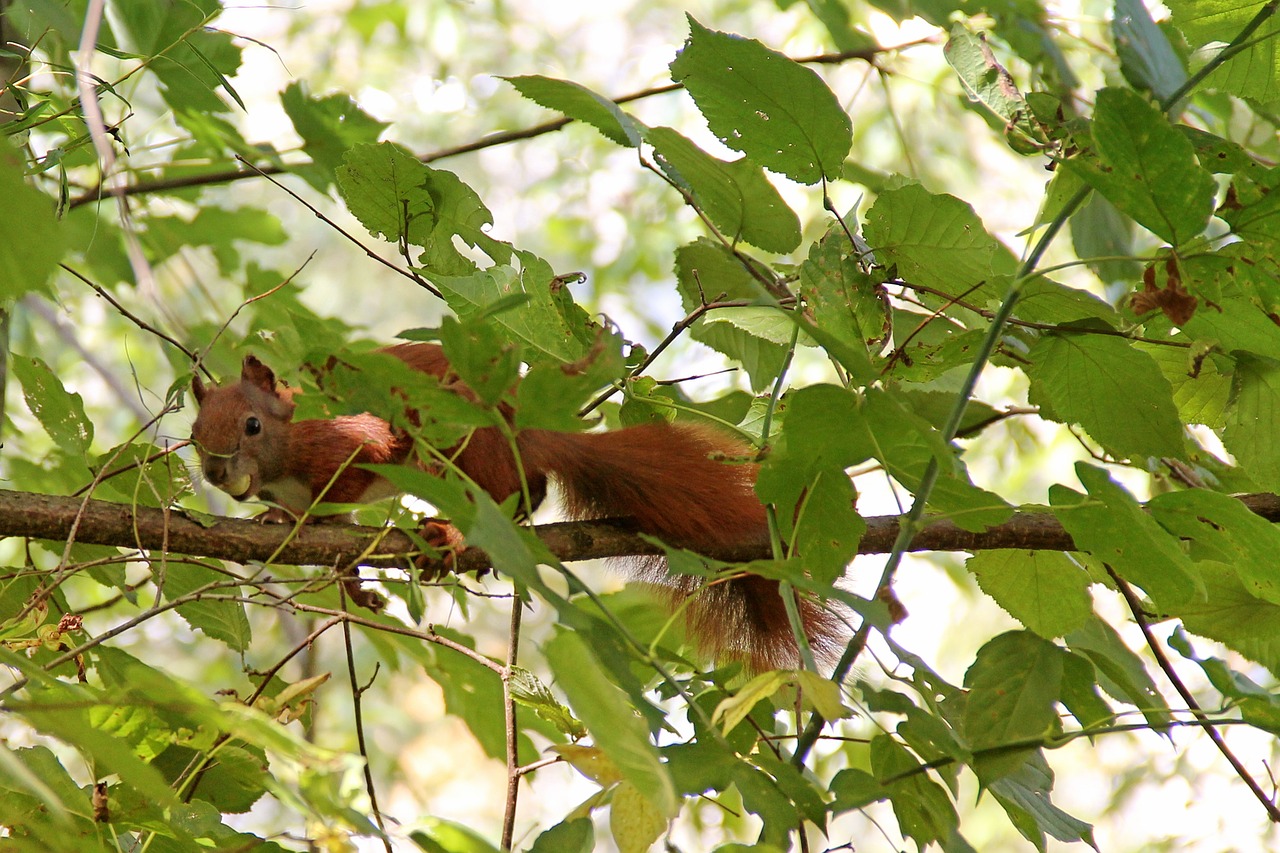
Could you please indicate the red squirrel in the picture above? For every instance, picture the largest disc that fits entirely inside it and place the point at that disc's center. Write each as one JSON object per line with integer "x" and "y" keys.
{"x": 668, "y": 478}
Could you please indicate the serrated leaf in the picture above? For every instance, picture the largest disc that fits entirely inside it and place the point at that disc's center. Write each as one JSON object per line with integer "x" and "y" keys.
{"x": 221, "y": 620}
{"x": 1014, "y": 684}
{"x": 1146, "y": 168}
{"x": 1252, "y": 420}
{"x": 760, "y": 102}
{"x": 987, "y": 82}
{"x": 1112, "y": 526}
{"x": 527, "y": 690}
{"x": 707, "y": 272}
{"x": 1026, "y": 790}
{"x": 578, "y": 102}
{"x": 1253, "y": 73}
{"x": 1113, "y": 390}
{"x": 1234, "y": 616}
{"x": 924, "y": 811}
{"x": 1120, "y": 672}
{"x": 935, "y": 240}
{"x": 1046, "y": 591}
{"x": 403, "y": 200}
{"x": 1222, "y": 528}
{"x": 736, "y": 196}
{"x": 844, "y": 300}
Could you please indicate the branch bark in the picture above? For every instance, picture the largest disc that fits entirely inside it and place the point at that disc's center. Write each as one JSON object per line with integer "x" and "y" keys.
{"x": 243, "y": 540}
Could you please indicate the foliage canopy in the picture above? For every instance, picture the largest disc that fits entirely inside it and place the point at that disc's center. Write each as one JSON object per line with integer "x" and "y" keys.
{"x": 882, "y": 325}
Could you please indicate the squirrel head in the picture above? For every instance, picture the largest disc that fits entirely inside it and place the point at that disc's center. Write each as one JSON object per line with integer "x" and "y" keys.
{"x": 241, "y": 432}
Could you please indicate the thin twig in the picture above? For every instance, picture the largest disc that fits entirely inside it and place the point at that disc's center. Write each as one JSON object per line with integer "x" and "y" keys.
{"x": 416, "y": 279}
{"x": 491, "y": 140}
{"x": 130, "y": 316}
{"x": 1135, "y": 608}
{"x": 512, "y": 729}
{"x": 357, "y": 709}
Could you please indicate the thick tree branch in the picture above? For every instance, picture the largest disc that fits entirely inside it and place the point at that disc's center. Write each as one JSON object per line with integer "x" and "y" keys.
{"x": 242, "y": 540}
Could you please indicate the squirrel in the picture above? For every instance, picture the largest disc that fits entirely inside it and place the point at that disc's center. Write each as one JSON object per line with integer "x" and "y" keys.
{"x": 666, "y": 477}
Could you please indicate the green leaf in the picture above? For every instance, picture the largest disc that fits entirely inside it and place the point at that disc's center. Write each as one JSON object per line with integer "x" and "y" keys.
{"x": 59, "y": 411}
{"x": 34, "y": 784}
{"x": 1103, "y": 237}
{"x": 1120, "y": 672}
{"x": 31, "y": 241}
{"x": 403, "y": 200}
{"x": 445, "y": 836}
{"x": 1014, "y": 685}
{"x": 528, "y": 691}
{"x": 633, "y": 821}
{"x": 1221, "y": 528}
{"x": 1147, "y": 59}
{"x": 905, "y": 443}
{"x": 571, "y": 836}
{"x": 1080, "y": 692}
{"x": 1146, "y": 168}
{"x": 608, "y": 715}
{"x": 1258, "y": 706}
{"x": 986, "y": 82}
{"x": 472, "y": 694}
{"x": 1252, "y": 420}
{"x": 1201, "y": 398}
{"x": 329, "y": 126}
{"x": 1111, "y": 389}
{"x": 1235, "y": 323}
{"x": 1047, "y": 591}
{"x": 924, "y": 811}
{"x": 1025, "y": 794}
{"x": 221, "y": 620}
{"x": 935, "y": 240}
{"x": 1252, "y": 73}
{"x": 1234, "y": 616}
{"x": 844, "y": 300}
{"x": 759, "y": 102}
{"x": 191, "y": 60}
{"x": 707, "y": 272}
{"x": 1111, "y": 525}
{"x": 547, "y": 320}
{"x": 68, "y": 712}
{"x": 736, "y": 195}
{"x": 580, "y": 103}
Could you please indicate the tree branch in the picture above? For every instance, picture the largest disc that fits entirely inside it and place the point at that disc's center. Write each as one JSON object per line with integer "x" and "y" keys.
{"x": 244, "y": 540}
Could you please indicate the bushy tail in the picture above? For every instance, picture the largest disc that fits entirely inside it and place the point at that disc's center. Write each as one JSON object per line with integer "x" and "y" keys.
{"x": 689, "y": 486}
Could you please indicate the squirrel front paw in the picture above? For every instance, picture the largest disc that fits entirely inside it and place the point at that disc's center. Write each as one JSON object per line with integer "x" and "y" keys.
{"x": 276, "y": 515}
{"x": 442, "y": 536}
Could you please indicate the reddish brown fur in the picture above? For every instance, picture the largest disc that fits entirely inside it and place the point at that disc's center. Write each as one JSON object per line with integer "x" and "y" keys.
{"x": 679, "y": 482}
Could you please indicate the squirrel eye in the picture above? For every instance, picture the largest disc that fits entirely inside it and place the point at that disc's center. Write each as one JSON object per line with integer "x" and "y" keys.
{"x": 252, "y": 426}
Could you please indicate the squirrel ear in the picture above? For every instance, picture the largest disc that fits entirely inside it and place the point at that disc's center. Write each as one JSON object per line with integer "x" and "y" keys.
{"x": 256, "y": 373}
{"x": 198, "y": 389}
